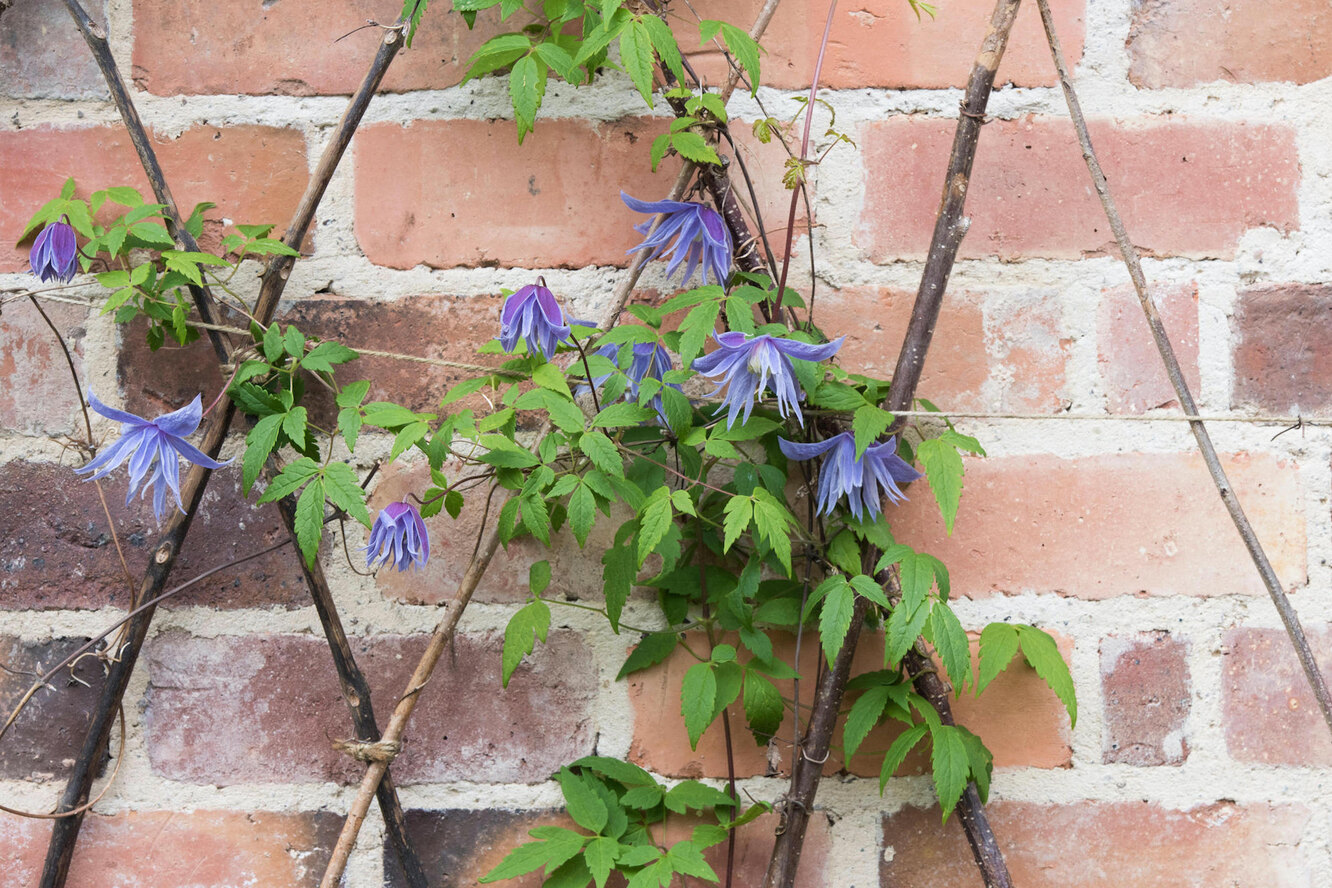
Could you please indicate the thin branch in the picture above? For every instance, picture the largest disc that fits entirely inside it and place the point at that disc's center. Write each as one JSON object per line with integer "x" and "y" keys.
{"x": 1255, "y": 548}
{"x": 949, "y": 230}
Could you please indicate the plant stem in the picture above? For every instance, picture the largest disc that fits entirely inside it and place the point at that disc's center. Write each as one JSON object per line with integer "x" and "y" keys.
{"x": 1255, "y": 548}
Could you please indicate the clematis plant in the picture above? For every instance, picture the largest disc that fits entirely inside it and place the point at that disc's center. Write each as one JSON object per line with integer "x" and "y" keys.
{"x": 690, "y": 232}
{"x": 53, "y": 253}
{"x": 534, "y": 315}
{"x": 865, "y": 482}
{"x": 398, "y": 537}
{"x": 746, "y": 366}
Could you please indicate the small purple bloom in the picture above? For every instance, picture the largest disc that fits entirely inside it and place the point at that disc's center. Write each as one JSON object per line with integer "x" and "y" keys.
{"x": 151, "y": 448}
{"x": 398, "y": 535}
{"x": 865, "y": 481}
{"x": 689, "y": 231}
{"x": 650, "y": 361}
{"x": 748, "y": 365}
{"x": 53, "y": 252}
{"x": 536, "y": 317}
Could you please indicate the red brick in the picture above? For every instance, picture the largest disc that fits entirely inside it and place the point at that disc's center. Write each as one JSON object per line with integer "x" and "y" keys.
{"x": 281, "y": 49}
{"x": 881, "y": 43}
{"x": 1105, "y": 844}
{"x": 175, "y": 849}
{"x": 42, "y": 55}
{"x": 1270, "y": 713}
{"x": 1147, "y": 689}
{"x": 1283, "y": 351}
{"x": 1157, "y": 527}
{"x": 251, "y": 710}
{"x": 1188, "y": 42}
{"x": 486, "y": 200}
{"x": 1135, "y": 379}
{"x": 255, "y": 174}
{"x": 39, "y": 395}
{"x": 1017, "y": 716}
{"x": 1029, "y": 351}
{"x": 45, "y": 739}
{"x": 53, "y": 529}
{"x": 1030, "y": 194}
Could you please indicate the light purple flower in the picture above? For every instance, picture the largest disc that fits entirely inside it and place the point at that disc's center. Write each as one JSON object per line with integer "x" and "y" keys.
{"x": 53, "y": 252}
{"x": 864, "y": 482}
{"x": 151, "y": 446}
{"x": 748, "y": 365}
{"x": 536, "y": 317}
{"x": 398, "y": 535}
{"x": 690, "y": 231}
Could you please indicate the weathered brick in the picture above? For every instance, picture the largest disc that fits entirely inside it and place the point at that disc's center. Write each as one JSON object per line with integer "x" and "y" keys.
{"x": 1135, "y": 379}
{"x": 1018, "y": 717}
{"x": 256, "y": 709}
{"x": 1106, "y": 844}
{"x": 1188, "y": 42}
{"x": 237, "y": 48}
{"x": 471, "y": 209}
{"x": 56, "y": 550}
{"x": 255, "y": 174}
{"x": 45, "y": 739}
{"x": 1153, "y": 520}
{"x": 175, "y": 849}
{"x": 39, "y": 396}
{"x": 881, "y": 43}
{"x": 1030, "y": 194}
{"x": 1147, "y": 689}
{"x": 42, "y": 55}
{"x": 1029, "y": 352}
{"x": 1270, "y": 713}
{"x": 1283, "y": 350}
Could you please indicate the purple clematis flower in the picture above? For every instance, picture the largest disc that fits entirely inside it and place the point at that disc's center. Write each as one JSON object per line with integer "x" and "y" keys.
{"x": 53, "y": 252}
{"x": 399, "y": 535}
{"x": 536, "y": 317}
{"x": 650, "y": 361}
{"x": 865, "y": 481}
{"x": 689, "y": 231}
{"x": 747, "y": 365}
{"x": 152, "y": 448}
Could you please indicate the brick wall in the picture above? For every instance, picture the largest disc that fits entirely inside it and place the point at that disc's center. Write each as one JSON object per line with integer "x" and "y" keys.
{"x": 1199, "y": 757}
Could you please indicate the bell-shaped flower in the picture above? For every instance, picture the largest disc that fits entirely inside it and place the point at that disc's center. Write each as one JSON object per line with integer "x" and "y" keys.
{"x": 398, "y": 535}
{"x": 53, "y": 252}
{"x": 534, "y": 315}
{"x": 747, "y": 365}
{"x": 650, "y": 361}
{"x": 690, "y": 232}
{"x": 864, "y": 482}
{"x": 153, "y": 448}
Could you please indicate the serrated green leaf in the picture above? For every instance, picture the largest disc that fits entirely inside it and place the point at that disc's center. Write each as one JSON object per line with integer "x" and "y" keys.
{"x": 293, "y": 475}
{"x": 950, "y": 640}
{"x": 621, "y": 414}
{"x": 636, "y": 54}
{"x": 408, "y": 436}
{"x": 310, "y": 520}
{"x": 602, "y": 452}
{"x": 695, "y": 329}
{"x": 686, "y": 858}
{"x": 344, "y": 491}
{"x": 388, "y": 415}
{"x": 663, "y": 41}
{"x": 349, "y": 424}
{"x": 258, "y": 445}
{"x": 566, "y": 416}
{"x": 582, "y": 512}
{"x": 951, "y": 765}
{"x": 353, "y": 394}
{"x": 526, "y": 858}
{"x": 1041, "y": 651}
{"x": 904, "y": 626}
{"x": 746, "y": 51}
{"x": 868, "y": 423}
{"x": 556, "y": 57}
{"x": 943, "y": 469}
{"x": 653, "y": 649}
{"x": 654, "y": 520}
{"x": 739, "y": 512}
{"x": 844, "y": 552}
{"x": 254, "y": 400}
{"x": 998, "y": 644}
{"x": 838, "y": 608}
{"x": 600, "y": 856}
{"x": 690, "y": 795}
{"x": 868, "y": 588}
{"x": 763, "y": 707}
{"x": 582, "y": 803}
{"x": 525, "y": 627}
{"x": 773, "y": 521}
{"x": 293, "y": 424}
{"x": 325, "y": 355}
{"x": 917, "y": 579}
{"x": 527, "y": 87}
{"x": 862, "y": 718}
{"x": 698, "y": 695}
{"x": 897, "y": 753}
{"x": 692, "y": 146}
{"x": 618, "y": 574}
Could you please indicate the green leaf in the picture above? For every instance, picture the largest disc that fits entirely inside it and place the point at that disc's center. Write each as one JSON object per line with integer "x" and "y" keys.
{"x": 325, "y": 355}
{"x": 582, "y": 512}
{"x": 950, "y": 640}
{"x": 548, "y": 376}
{"x": 690, "y": 795}
{"x": 653, "y": 649}
{"x": 663, "y": 41}
{"x": 844, "y": 552}
{"x": 763, "y": 706}
{"x": 838, "y": 396}
{"x": 862, "y": 718}
{"x": 538, "y": 576}
{"x": 618, "y": 575}
{"x": 602, "y": 452}
{"x": 897, "y": 753}
{"x": 352, "y": 395}
{"x": 624, "y": 772}
{"x": 695, "y": 328}
{"x": 745, "y": 50}
{"x": 868, "y": 423}
{"x": 904, "y": 627}
{"x": 310, "y": 520}
{"x": 530, "y": 623}
{"x": 344, "y": 491}
{"x": 294, "y": 475}
{"x": 739, "y": 511}
{"x": 697, "y": 697}
{"x": 951, "y": 765}
{"x": 506, "y": 454}
{"x": 685, "y": 858}
{"x": 410, "y": 434}
{"x": 636, "y": 54}
{"x": 867, "y": 588}
{"x": 692, "y": 146}
{"x": 838, "y": 608}
{"x": 349, "y": 424}
{"x": 622, "y": 413}
{"x": 258, "y": 445}
{"x": 527, "y": 87}
{"x": 293, "y": 424}
{"x": 293, "y": 342}
{"x": 943, "y": 468}
{"x": 600, "y": 856}
{"x": 998, "y": 644}
{"x": 917, "y": 579}
{"x": 772, "y": 521}
{"x": 526, "y": 858}
{"x": 963, "y": 442}
{"x": 566, "y": 416}
{"x": 981, "y": 762}
{"x": 391, "y": 416}
{"x": 555, "y": 56}
{"x": 654, "y": 520}
{"x": 1042, "y": 653}
{"x": 582, "y": 803}
{"x": 254, "y": 400}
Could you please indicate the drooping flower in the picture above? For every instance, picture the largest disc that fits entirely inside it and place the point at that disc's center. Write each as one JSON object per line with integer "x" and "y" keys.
{"x": 689, "y": 231}
{"x": 153, "y": 448}
{"x": 746, "y": 365}
{"x": 650, "y": 361}
{"x": 864, "y": 482}
{"x": 53, "y": 252}
{"x": 398, "y": 535}
{"x": 535, "y": 316}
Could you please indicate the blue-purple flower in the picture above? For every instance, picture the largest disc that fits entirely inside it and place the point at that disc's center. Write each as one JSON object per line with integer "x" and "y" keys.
{"x": 650, "y": 361}
{"x": 746, "y": 365}
{"x": 535, "y": 316}
{"x": 690, "y": 232}
{"x": 53, "y": 252}
{"x": 153, "y": 448}
{"x": 864, "y": 482}
{"x": 398, "y": 535}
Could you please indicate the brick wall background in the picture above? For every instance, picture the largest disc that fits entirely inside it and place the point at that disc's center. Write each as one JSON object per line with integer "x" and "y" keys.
{"x": 1199, "y": 757}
